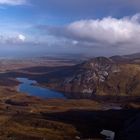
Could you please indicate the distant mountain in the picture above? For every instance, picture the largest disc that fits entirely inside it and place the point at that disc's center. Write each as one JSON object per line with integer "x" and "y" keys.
{"x": 119, "y": 58}
{"x": 132, "y": 58}
{"x": 97, "y": 76}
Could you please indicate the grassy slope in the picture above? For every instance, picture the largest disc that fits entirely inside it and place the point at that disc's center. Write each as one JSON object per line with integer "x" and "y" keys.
{"x": 26, "y": 121}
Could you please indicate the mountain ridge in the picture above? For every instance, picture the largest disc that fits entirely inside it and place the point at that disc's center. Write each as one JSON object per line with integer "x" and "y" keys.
{"x": 98, "y": 76}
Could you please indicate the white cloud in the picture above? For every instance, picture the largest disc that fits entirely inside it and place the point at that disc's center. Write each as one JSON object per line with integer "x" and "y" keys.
{"x": 109, "y": 30}
{"x": 107, "y": 35}
{"x": 21, "y": 37}
{"x": 14, "y": 38}
{"x": 13, "y": 2}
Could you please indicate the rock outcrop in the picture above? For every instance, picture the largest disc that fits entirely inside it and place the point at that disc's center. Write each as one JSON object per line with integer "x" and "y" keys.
{"x": 98, "y": 76}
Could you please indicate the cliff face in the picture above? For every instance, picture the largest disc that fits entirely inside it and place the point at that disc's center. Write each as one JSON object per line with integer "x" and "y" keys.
{"x": 100, "y": 76}
{"x": 89, "y": 76}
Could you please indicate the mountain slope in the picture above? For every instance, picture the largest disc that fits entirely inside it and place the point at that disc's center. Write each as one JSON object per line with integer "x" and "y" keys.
{"x": 98, "y": 76}
{"x": 132, "y": 58}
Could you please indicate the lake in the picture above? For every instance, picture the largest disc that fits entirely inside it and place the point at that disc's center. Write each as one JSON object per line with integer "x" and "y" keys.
{"x": 30, "y": 87}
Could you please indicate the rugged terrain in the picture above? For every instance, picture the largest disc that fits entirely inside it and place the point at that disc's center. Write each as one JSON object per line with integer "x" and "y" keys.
{"x": 108, "y": 82}
{"x": 97, "y": 77}
{"x": 25, "y": 117}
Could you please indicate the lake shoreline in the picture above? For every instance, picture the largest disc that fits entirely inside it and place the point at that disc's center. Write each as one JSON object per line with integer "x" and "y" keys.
{"x": 32, "y": 88}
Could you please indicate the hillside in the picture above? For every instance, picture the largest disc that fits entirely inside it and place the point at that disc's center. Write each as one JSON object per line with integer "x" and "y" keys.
{"x": 98, "y": 76}
{"x": 131, "y": 58}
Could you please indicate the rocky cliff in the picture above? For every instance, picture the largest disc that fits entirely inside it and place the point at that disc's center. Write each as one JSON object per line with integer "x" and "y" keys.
{"x": 98, "y": 76}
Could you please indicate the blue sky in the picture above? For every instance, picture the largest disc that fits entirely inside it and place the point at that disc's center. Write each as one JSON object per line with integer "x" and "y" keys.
{"x": 89, "y": 27}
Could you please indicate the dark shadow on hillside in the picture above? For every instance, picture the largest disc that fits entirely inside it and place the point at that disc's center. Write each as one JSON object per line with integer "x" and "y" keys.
{"x": 41, "y": 74}
{"x": 91, "y": 123}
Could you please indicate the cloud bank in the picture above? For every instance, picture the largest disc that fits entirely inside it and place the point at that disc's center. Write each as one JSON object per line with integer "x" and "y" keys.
{"x": 15, "y": 39}
{"x": 107, "y": 30}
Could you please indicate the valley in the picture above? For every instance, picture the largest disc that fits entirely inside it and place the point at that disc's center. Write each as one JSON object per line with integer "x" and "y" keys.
{"x": 101, "y": 94}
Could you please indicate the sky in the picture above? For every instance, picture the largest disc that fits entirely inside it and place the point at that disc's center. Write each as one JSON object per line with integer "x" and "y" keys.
{"x": 87, "y": 27}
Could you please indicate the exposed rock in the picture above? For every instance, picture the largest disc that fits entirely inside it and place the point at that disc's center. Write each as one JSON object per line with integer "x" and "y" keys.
{"x": 98, "y": 76}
